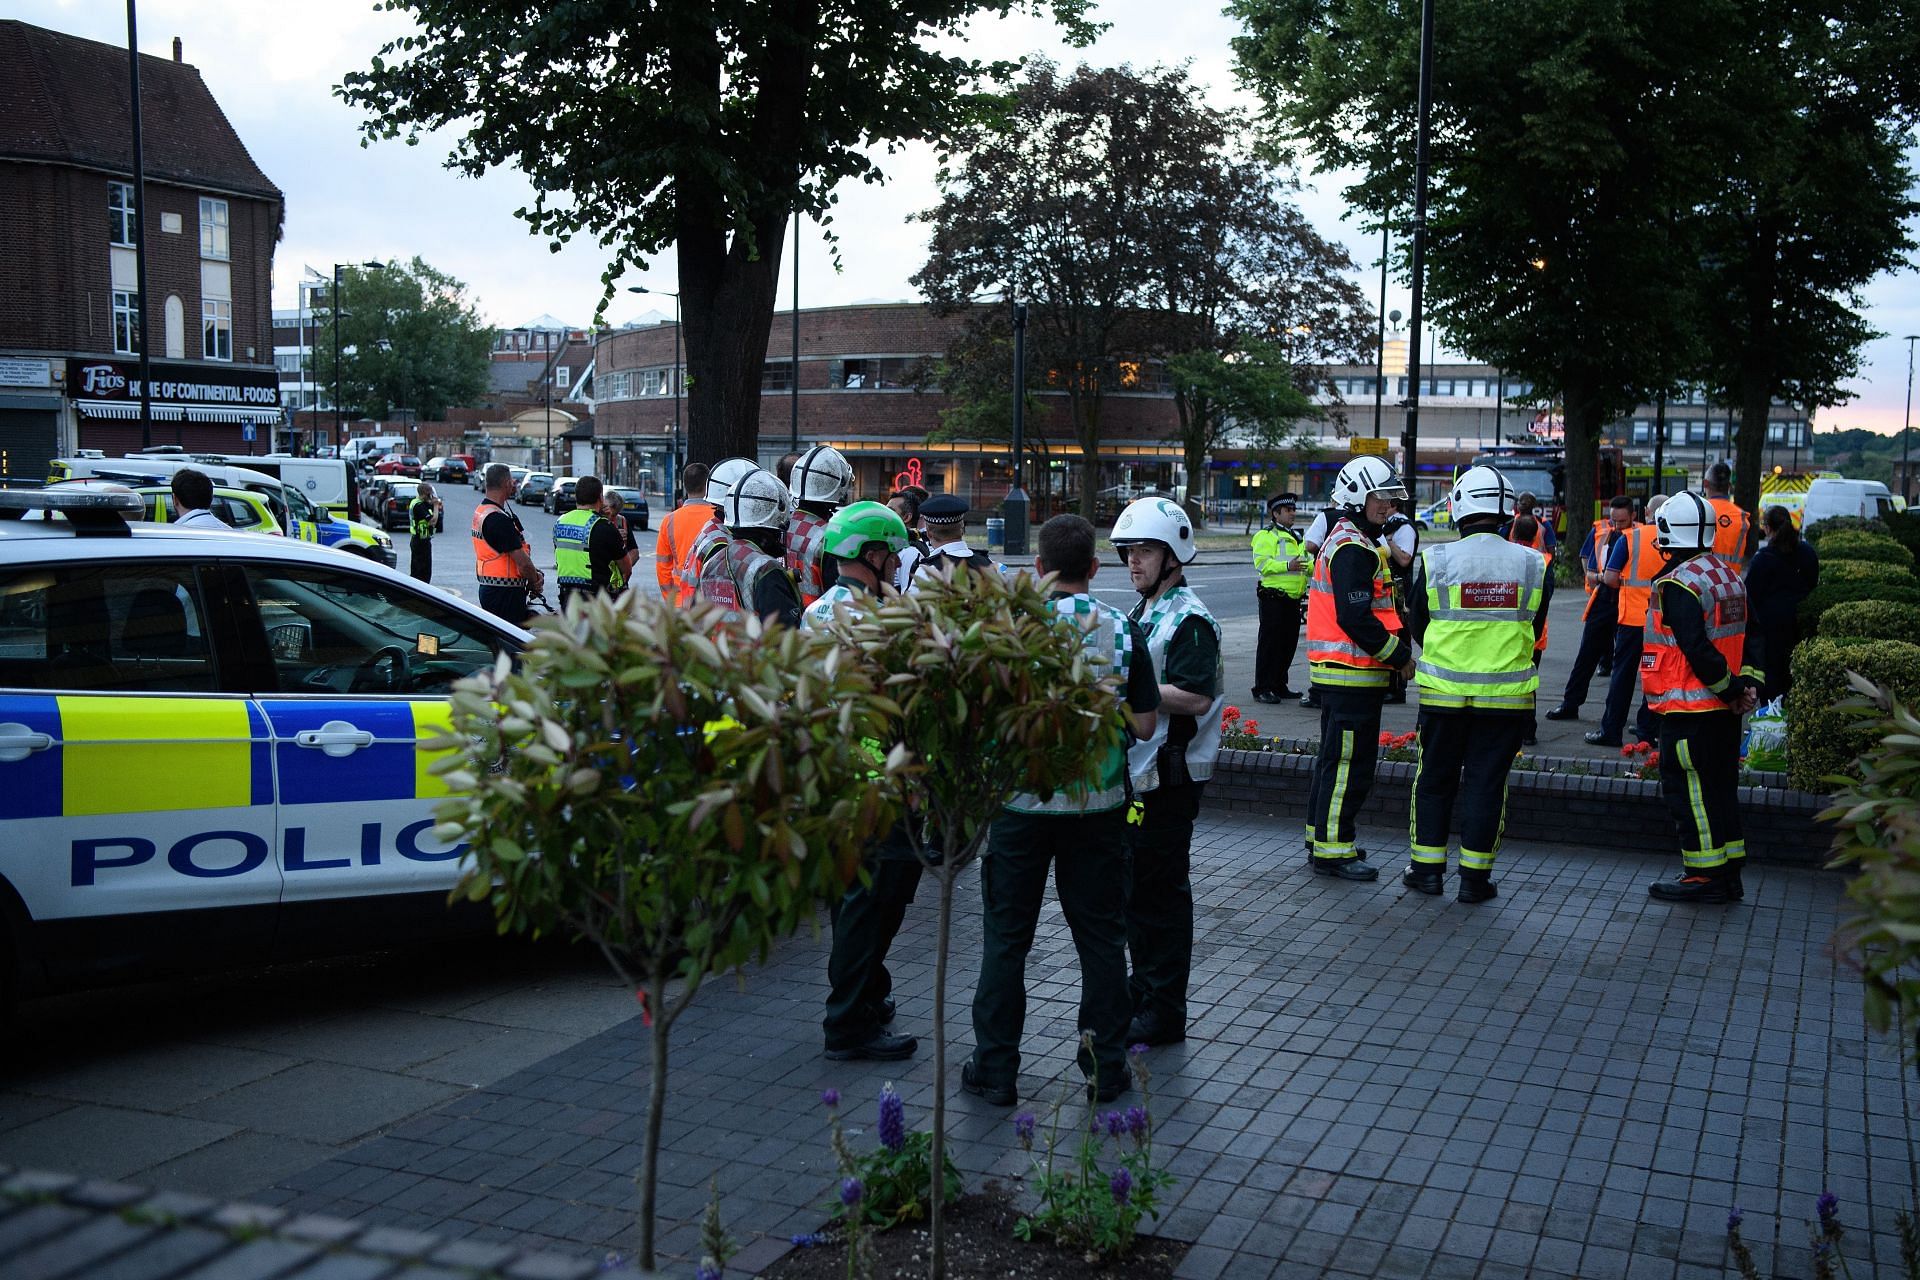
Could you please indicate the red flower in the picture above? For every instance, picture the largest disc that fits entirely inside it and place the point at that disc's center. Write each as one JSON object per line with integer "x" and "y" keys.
{"x": 1626, "y": 751}
{"x": 1229, "y": 715}
{"x": 1653, "y": 760}
{"x": 1386, "y": 738}
{"x": 1250, "y": 726}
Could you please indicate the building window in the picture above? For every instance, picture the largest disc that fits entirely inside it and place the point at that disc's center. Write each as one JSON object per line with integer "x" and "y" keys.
{"x": 776, "y": 375}
{"x": 287, "y": 361}
{"x": 126, "y": 322}
{"x": 213, "y": 228}
{"x": 873, "y": 373}
{"x": 613, "y": 386}
{"x": 120, "y": 220}
{"x": 560, "y": 378}
{"x": 216, "y": 330}
{"x": 653, "y": 382}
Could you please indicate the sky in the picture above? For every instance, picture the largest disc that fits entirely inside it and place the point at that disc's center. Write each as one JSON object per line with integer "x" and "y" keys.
{"x": 273, "y": 67}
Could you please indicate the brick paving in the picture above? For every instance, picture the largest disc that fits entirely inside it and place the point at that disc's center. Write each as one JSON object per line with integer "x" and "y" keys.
{"x": 1571, "y": 1081}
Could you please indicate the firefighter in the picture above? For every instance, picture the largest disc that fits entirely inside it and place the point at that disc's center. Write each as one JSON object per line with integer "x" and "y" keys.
{"x": 756, "y": 513}
{"x": 1170, "y": 768}
{"x": 821, "y": 482}
{"x": 704, "y": 566}
{"x": 1354, "y": 645}
{"x": 1702, "y": 673}
{"x": 1477, "y": 608}
{"x": 1635, "y": 584}
{"x": 1282, "y": 562}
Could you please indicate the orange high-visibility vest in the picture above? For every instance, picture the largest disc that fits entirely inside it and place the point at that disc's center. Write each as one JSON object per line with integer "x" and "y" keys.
{"x": 1668, "y": 677}
{"x": 1597, "y": 547}
{"x": 1636, "y": 583}
{"x": 1731, "y": 527}
{"x": 494, "y": 568}
{"x": 1327, "y": 642}
{"x": 1539, "y": 542}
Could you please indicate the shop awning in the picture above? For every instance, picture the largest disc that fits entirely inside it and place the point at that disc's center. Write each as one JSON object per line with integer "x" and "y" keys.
{"x": 123, "y": 411}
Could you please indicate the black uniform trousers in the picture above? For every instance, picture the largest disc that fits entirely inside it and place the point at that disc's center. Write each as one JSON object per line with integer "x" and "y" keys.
{"x": 865, "y": 922}
{"x": 1279, "y": 640}
{"x": 1700, "y": 781}
{"x": 1627, "y": 645}
{"x": 1088, "y": 854}
{"x": 509, "y": 604}
{"x": 1596, "y": 642}
{"x": 1160, "y": 903}
{"x": 1465, "y": 757}
{"x": 1343, "y": 773}
{"x": 422, "y": 566}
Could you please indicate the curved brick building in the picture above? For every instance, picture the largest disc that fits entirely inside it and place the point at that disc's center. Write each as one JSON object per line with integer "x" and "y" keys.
{"x": 864, "y": 389}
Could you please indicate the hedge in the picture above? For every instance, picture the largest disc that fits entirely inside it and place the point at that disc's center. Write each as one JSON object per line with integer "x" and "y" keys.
{"x": 1876, "y": 619}
{"x": 1833, "y": 591}
{"x": 1850, "y": 544}
{"x": 1864, "y": 570}
{"x": 1820, "y": 529}
{"x": 1906, "y": 531}
{"x": 1821, "y": 741}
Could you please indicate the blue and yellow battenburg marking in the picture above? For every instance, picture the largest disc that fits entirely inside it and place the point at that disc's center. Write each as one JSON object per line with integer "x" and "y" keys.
{"x": 142, "y": 754}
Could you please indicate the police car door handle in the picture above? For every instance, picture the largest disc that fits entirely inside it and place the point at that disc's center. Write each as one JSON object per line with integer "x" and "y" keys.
{"x": 336, "y": 737}
{"x": 17, "y": 742}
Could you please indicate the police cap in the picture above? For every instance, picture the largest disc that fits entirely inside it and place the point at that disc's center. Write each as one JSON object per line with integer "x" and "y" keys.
{"x": 1282, "y": 500}
{"x": 945, "y": 508}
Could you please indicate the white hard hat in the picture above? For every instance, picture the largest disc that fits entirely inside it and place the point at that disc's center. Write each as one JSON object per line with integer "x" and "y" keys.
{"x": 1365, "y": 478}
{"x": 822, "y": 474}
{"x": 725, "y": 475}
{"x": 758, "y": 501}
{"x": 1686, "y": 522}
{"x": 1481, "y": 491}
{"x": 1156, "y": 520}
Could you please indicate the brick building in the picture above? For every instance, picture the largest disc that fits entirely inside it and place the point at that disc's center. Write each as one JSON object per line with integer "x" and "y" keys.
{"x": 864, "y": 390}
{"x": 70, "y": 309}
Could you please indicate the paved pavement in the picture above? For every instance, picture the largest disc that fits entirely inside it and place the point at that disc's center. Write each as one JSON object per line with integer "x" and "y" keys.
{"x": 1570, "y": 1081}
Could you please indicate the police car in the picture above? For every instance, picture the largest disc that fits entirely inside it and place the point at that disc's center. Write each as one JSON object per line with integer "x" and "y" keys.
{"x": 212, "y": 744}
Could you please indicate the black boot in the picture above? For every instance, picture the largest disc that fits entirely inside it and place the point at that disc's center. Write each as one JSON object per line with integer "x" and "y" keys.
{"x": 1425, "y": 877}
{"x": 1736, "y": 891}
{"x": 1476, "y": 886}
{"x": 1705, "y": 886}
{"x": 1346, "y": 868}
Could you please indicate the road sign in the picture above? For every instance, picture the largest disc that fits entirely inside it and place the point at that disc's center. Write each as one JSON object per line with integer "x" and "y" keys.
{"x": 1367, "y": 444}
{"x": 246, "y": 432}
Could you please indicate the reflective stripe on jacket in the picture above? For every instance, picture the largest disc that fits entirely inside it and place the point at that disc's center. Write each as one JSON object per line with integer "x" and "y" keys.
{"x": 1670, "y": 680}
{"x": 1636, "y": 581}
{"x": 1732, "y": 525}
{"x": 806, "y": 542}
{"x": 1160, "y": 620}
{"x": 1483, "y": 595}
{"x": 1331, "y": 653}
{"x": 495, "y": 568}
{"x": 1273, "y": 547}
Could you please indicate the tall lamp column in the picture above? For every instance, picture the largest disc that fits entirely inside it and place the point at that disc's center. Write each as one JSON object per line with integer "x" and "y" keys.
{"x": 1906, "y": 428}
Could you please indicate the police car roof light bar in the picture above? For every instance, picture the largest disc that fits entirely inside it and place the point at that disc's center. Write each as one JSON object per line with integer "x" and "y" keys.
{"x": 90, "y": 512}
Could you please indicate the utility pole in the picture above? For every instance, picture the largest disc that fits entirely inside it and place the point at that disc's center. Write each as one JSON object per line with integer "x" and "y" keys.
{"x": 1016, "y": 501}
{"x": 1380, "y": 354}
{"x": 1411, "y": 440}
{"x": 140, "y": 231}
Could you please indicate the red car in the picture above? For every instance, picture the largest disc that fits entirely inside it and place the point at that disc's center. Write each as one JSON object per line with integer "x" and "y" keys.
{"x": 399, "y": 464}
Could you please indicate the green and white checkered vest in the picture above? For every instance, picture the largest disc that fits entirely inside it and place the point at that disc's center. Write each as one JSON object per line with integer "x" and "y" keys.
{"x": 819, "y": 614}
{"x": 1103, "y": 629}
{"x": 1160, "y": 620}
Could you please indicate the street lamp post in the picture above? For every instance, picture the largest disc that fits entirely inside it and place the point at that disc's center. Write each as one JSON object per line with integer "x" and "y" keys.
{"x": 640, "y": 288}
{"x": 1906, "y": 428}
{"x": 1419, "y": 263}
{"x": 1015, "y": 504}
{"x": 335, "y": 307}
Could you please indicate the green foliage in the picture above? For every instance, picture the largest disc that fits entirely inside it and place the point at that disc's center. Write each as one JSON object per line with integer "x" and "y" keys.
{"x": 1854, "y": 544}
{"x": 1865, "y": 571}
{"x": 1820, "y": 530}
{"x": 1825, "y": 742}
{"x": 1093, "y": 1202}
{"x": 1831, "y": 593}
{"x": 1873, "y": 619}
{"x": 1879, "y": 832}
{"x": 679, "y": 793}
{"x": 896, "y": 1185}
{"x": 1905, "y": 527}
{"x": 410, "y": 338}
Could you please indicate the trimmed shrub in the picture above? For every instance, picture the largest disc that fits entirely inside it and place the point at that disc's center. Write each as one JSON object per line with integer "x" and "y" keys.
{"x": 1906, "y": 531}
{"x": 1833, "y": 591}
{"x": 1821, "y": 529}
{"x": 1858, "y": 620}
{"x": 1821, "y": 740}
{"x": 1849, "y": 544}
{"x": 1863, "y": 571}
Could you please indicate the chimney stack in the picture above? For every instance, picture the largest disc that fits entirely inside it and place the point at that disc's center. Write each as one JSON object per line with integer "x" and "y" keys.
{"x": 176, "y": 49}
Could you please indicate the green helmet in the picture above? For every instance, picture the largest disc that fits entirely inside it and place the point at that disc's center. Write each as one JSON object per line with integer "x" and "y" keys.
{"x": 853, "y": 528}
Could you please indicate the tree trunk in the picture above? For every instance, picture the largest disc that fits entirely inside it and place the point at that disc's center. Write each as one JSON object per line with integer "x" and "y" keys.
{"x": 936, "y": 1214}
{"x": 1758, "y": 363}
{"x": 727, "y": 303}
{"x": 656, "y": 1113}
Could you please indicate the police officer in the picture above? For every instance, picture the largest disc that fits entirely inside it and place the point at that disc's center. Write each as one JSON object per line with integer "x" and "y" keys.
{"x": 1169, "y": 769}
{"x": 1354, "y": 645}
{"x": 865, "y": 539}
{"x": 587, "y": 550}
{"x": 1476, "y": 607}
{"x": 1702, "y": 673}
{"x": 503, "y": 560}
{"x": 704, "y": 566}
{"x": 945, "y": 519}
{"x": 757, "y": 511}
{"x": 1081, "y": 833}
{"x": 1635, "y": 583}
{"x": 422, "y": 514}
{"x": 1282, "y": 562}
{"x": 821, "y": 482}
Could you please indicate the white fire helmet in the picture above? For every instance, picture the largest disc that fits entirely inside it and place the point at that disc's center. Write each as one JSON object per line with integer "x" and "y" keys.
{"x": 725, "y": 475}
{"x": 758, "y": 501}
{"x": 1365, "y": 478}
{"x": 1481, "y": 491}
{"x": 822, "y": 474}
{"x": 1685, "y": 522}
{"x": 1156, "y": 520}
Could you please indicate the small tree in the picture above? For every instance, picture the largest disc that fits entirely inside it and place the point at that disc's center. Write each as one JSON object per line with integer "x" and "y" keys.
{"x": 692, "y": 792}
{"x": 996, "y": 696}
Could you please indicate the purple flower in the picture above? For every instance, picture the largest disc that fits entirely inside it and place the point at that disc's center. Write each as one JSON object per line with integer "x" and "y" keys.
{"x": 1827, "y": 1206}
{"x": 1138, "y": 1050}
{"x": 708, "y": 1270}
{"x": 830, "y": 1098}
{"x": 1116, "y": 1124}
{"x": 1137, "y": 1121}
{"x": 851, "y": 1191}
{"x": 1121, "y": 1184}
{"x": 893, "y": 1120}
{"x": 1023, "y": 1126}
{"x": 1733, "y": 1219}
{"x": 808, "y": 1240}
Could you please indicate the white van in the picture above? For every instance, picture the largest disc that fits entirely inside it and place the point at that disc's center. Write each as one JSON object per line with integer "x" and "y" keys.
{"x": 326, "y": 482}
{"x": 364, "y": 451}
{"x": 1829, "y": 497}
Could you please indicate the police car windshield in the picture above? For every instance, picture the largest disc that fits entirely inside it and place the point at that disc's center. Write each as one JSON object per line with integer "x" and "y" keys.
{"x": 344, "y": 633}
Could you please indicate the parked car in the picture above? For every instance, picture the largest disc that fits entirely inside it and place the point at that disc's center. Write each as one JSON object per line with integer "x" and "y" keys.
{"x": 534, "y": 489}
{"x": 1438, "y": 515}
{"x": 399, "y": 464}
{"x": 399, "y": 496}
{"x": 448, "y": 470}
{"x": 634, "y": 506}
{"x": 373, "y": 497}
{"x": 559, "y": 499}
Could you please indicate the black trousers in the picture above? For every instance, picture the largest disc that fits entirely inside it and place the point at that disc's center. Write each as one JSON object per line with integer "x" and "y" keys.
{"x": 509, "y": 604}
{"x": 422, "y": 566}
{"x": 865, "y": 922}
{"x": 1777, "y": 643}
{"x": 1465, "y": 757}
{"x": 1343, "y": 774}
{"x": 1088, "y": 854}
{"x": 1279, "y": 640}
{"x": 1627, "y": 645}
{"x": 1160, "y": 903}
{"x": 1596, "y": 642}
{"x": 1700, "y": 781}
